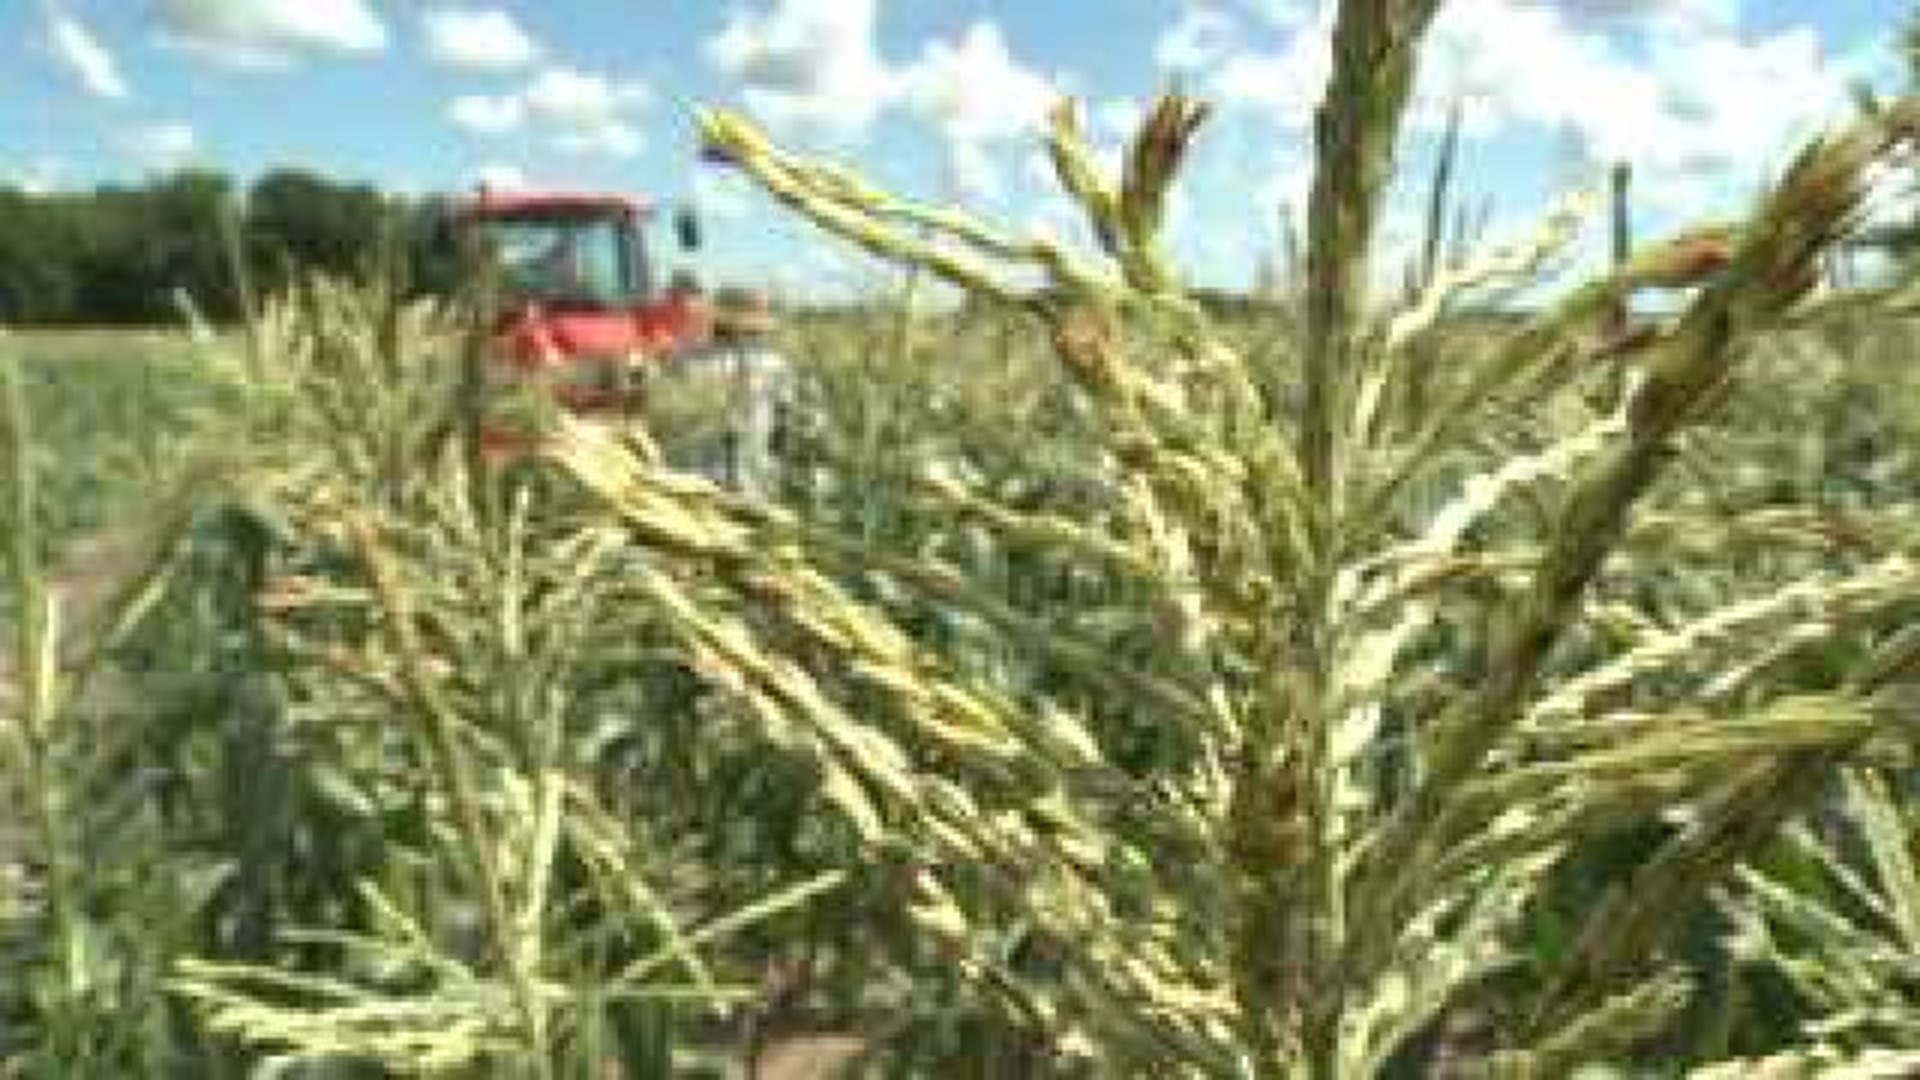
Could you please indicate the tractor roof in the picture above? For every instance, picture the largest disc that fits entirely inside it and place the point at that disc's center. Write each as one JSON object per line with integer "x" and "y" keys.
{"x": 517, "y": 203}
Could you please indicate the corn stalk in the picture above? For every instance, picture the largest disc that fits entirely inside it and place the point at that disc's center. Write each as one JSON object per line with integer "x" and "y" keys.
{"x": 1367, "y": 900}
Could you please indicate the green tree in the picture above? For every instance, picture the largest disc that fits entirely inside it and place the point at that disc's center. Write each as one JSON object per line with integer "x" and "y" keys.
{"x": 299, "y": 221}
{"x": 135, "y": 246}
{"x": 37, "y": 274}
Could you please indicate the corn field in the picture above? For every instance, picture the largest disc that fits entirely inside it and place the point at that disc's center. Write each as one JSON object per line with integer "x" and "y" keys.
{"x": 1103, "y": 686}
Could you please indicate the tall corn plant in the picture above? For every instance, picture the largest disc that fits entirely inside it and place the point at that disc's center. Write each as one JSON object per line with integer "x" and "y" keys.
{"x": 457, "y": 679}
{"x": 96, "y": 899}
{"x": 1421, "y": 679}
{"x": 1834, "y": 915}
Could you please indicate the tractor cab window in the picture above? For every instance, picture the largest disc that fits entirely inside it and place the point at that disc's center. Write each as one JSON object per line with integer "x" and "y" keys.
{"x": 570, "y": 261}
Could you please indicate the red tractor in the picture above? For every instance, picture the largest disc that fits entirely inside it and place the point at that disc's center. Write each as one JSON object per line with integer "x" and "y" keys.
{"x": 584, "y": 314}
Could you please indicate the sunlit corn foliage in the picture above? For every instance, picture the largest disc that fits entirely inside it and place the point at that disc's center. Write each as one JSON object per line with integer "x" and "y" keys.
{"x": 363, "y": 791}
{"x": 1108, "y": 688}
{"x": 1478, "y": 700}
{"x": 1832, "y": 915}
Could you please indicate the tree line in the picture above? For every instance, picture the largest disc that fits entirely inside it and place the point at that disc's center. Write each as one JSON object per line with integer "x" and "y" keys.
{"x": 125, "y": 254}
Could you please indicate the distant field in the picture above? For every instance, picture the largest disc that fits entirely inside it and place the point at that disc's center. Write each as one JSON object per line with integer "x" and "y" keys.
{"x": 103, "y": 402}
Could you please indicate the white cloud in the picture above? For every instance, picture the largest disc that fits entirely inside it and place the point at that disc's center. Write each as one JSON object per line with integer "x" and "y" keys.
{"x": 503, "y": 176}
{"x": 1287, "y": 185}
{"x": 809, "y": 64}
{"x": 1285, "y": 14}
{"x": 813, "y": 67}
{"x": 1116, "y": 119}
{"x": 568, "y": 98}
{"x": 609, "y": 139}
{"x": 1639, "y": 90}
{"x": 161, "y": 146}
{"x": 1697, "y": 101}
{"x": 1200, "y": 38}
{"x": 267, "y": 35}
{"x": 1699, "y": 14}
{"x": 484, "y": 115}
{"x": 976, "y": 90}
{"x": 577, "y": 112}
{"x": 75, "y": 47}
{"x": 1529, "y": 66}
{"x": 723, "y": 196}
{"x": 1111, "y": 124}
{"x": 1287, "y": 83}
{"x": 41, "y": 176}
{"x": 478, "y": 40}
{"x": 946, "y": 86}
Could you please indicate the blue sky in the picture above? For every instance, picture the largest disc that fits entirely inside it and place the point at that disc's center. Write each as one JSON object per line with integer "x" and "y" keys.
{"x": 939, "y": 98}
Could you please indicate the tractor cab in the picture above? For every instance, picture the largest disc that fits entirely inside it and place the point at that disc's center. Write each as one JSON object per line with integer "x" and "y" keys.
{"x": 582, "y": 310}
{"x": 586, "y": 321}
